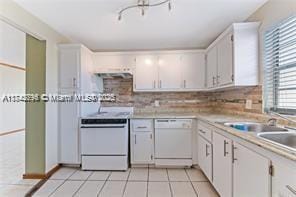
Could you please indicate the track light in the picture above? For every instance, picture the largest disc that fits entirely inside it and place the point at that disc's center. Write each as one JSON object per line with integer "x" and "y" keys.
{"x": 144, "y": 4}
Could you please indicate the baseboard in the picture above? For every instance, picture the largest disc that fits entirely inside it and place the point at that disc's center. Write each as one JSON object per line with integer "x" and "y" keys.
{"x": 42, "y": 176}
{"x": 11, "y": 132}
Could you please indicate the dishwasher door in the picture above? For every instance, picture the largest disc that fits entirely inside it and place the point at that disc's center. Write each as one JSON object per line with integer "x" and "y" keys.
{"x": 173, "y": 139}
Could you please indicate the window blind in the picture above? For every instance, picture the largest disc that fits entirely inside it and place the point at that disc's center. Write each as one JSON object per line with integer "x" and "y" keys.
{"x": 280, "y": 68}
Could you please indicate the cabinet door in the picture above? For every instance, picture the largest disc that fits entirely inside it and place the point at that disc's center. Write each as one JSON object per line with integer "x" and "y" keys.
{"x": 222, "y": 165}
{"x": 284, "y": 179}
{"x": 212, "y": 67}
{"x": 12, "y": 45}
{"x": 169, "y": 71}
{"x": 69, "y": 66}
{"x": 205, "y": 156}
{"x": 142, "y": 149}
{"x": 193, "y": 70}
{"x": 250, "y": 173}
{"x": 146, "y": 74}
{"x": 225, "y": 61}
{"x": 68, "y": 131}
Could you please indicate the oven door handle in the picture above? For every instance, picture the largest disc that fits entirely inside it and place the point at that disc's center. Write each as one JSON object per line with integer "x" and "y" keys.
{"x": 101, "y": 127}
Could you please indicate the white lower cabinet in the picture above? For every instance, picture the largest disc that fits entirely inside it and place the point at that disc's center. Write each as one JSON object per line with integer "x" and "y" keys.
{"x": 284, "y": 179}
{"x": 222, "y": 165}
{"x": 142, "y": 142}
{"x": 250, "y": 173}
{"x": 205, "y": 156}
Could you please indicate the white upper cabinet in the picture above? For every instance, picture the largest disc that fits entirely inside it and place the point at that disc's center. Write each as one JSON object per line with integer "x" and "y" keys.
{"x": 69, "y": 67}
{"x": 12, "y": 45}
{"x": 235, "y": 54}
{"x": 172, "y": 71}
{"x": 146, "y": 73}
{"x": 193, "y": 70}
{"x": 169, "y": 72}
{"x": 212, "y": 63}
{"x": 225, "y": 61}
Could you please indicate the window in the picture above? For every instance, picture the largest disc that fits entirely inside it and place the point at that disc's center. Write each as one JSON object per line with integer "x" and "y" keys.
{"x": 280, "y": 68}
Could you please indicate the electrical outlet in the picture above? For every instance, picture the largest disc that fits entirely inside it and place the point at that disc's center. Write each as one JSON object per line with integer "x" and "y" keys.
{"x": 156, "y": 103}
{"x": 249, "y": 104}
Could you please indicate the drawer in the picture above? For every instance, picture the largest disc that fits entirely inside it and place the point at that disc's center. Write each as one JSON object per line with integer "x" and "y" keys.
{"x": 142, "y": 125}
{"x": 205, "y": 131}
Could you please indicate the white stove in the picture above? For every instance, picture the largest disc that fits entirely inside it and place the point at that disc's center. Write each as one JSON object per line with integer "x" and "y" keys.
{"x": 104, "y": 139}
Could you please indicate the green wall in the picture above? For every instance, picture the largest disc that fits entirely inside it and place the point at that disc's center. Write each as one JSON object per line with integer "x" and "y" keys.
{"x": 35, "y": 112}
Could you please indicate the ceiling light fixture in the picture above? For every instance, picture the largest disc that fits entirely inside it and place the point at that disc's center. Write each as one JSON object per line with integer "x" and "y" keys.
{"x": 143, "y": 5}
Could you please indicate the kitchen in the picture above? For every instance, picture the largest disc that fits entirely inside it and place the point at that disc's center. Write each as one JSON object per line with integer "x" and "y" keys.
{"x": 206, "y": 111}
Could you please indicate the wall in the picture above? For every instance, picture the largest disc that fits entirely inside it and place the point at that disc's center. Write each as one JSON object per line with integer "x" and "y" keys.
{"x": 35, "y": 112}
{"x": 18, "y": 17}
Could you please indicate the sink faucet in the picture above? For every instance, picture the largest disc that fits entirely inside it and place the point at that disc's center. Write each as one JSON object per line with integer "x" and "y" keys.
{"x": 272, "y": 121}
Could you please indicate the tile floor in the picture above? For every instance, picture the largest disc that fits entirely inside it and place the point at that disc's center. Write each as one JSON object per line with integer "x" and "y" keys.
{"x": 12, "y": 165}
{"x": 135, "y": 182}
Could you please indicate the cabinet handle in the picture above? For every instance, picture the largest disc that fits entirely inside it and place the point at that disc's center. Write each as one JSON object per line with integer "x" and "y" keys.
{"x": 154, "y": 84}
{"x": 141, "y": 127}
{"x": 217, "y": 80}
{"x": 184, "y": 83}
{"x": 291, "y": 189}
{"x": 74, "y": 82}
{"x": 159, "y": 83}
{"x": 233, "y": 158}
{"x": 202, "y": 131}
{"x": 135, "y": 139}
{"x": 207, "y": 146}
{"x": 214, "y": 83}
{"x": 225, "y": 152}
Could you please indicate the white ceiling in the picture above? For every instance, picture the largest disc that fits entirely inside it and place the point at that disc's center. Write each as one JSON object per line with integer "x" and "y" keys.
{"x": 190, "y": 24}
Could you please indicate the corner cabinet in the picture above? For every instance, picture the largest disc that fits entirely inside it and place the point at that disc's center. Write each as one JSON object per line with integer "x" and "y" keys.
{"x": 170, "y": 71}
{"x": 142, "y": 141}
{"x": 232, "y": 59}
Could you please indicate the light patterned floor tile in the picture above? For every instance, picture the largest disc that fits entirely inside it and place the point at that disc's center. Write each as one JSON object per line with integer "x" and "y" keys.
{"x": 80, "y": 175}
{"x": 177, "y": 175}
{"x": 196, "y": 175}
{"x": 48, "y": 188}
{"x": 138, "y": 174}
{"x": 136, "y": 189}
{"x": 63, "y": 173}
{"x": 119, "y": 176}
{"x": 159, "y": 189}
{"x": 158, "y": 174}
{"x": 99, "y": 175}
{"x": 68, "y": 188}
{"x": 181, "y": 189}
{"x": 113, "y": 189}
{"x": 14, "y": 190}
{"x": 90, "y": 189}
{"x": 204, "y": 189}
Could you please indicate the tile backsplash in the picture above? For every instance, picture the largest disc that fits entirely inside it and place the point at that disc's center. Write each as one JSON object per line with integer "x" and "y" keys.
{"x": 224, "y": 101}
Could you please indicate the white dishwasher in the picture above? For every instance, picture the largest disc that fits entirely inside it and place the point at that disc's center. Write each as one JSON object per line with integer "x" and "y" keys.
{"x": 173, "y": 142}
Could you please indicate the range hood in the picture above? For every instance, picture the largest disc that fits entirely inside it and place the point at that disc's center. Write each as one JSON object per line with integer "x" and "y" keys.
{"x": 115, "y": 72}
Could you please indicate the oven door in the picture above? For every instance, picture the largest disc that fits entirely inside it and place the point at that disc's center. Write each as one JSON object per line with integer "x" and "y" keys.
{"x": 104, "y": 140}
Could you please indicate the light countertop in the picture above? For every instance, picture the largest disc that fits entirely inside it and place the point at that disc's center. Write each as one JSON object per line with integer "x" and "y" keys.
{"x": 214, "y": 119}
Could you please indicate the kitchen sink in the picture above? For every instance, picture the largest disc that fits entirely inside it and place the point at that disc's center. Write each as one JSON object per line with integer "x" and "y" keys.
{"x": 254, "y": 127}
{"x": 285, "y": 139}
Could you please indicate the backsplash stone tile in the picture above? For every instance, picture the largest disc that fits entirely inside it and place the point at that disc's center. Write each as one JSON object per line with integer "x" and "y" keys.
{"x": 221, "y": 101}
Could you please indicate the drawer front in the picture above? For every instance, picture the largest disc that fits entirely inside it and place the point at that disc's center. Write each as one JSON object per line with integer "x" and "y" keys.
{"x": 142, "y": 125}
{"x": 205, "y": 131}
